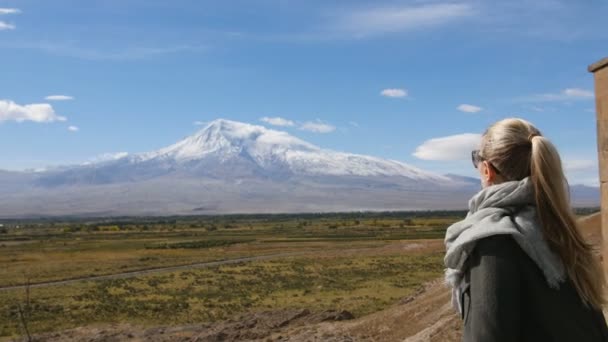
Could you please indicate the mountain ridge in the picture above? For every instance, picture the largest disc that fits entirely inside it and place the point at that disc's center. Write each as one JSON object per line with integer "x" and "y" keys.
{"x": 232, "y": 167}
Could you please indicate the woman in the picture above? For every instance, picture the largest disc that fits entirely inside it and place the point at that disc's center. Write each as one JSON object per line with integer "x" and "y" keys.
{"x": 518, "y": 267}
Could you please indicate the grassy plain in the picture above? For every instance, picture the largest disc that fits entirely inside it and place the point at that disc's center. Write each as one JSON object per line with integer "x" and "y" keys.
{"x": 360, "y": 262}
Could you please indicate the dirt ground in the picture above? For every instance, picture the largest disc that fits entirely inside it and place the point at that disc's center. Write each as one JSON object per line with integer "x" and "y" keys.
{"x": 427, "y": 316}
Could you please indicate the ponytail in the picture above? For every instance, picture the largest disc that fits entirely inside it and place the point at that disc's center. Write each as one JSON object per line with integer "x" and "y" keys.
{"x": 519, "y": 150}
{"x": 559, "y": 224}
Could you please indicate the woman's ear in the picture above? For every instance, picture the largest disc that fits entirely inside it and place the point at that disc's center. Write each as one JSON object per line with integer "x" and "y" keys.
{"x": 488, "y": 173}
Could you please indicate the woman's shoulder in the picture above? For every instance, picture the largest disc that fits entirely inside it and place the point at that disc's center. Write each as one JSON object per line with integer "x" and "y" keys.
{"x": 498, "y": 245}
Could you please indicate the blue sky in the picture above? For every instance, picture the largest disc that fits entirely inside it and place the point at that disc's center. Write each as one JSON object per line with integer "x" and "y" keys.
{"x": 405, "y": 80}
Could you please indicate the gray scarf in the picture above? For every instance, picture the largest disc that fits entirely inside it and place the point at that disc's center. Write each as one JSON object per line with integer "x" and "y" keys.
{"x": 505, "y": 208}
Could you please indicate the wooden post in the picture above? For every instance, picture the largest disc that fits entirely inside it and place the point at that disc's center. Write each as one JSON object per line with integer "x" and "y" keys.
{"x": 600, "y": 73}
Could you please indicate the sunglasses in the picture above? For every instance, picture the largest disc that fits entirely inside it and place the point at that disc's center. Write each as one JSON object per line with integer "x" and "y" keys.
{"x": 476, "y": 158}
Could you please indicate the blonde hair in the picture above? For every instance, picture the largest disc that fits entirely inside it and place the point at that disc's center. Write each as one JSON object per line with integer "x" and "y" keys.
{"x": 518, "y": 149}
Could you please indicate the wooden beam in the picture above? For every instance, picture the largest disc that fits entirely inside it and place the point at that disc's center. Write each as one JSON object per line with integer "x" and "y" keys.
{"x": 600, "y": 75}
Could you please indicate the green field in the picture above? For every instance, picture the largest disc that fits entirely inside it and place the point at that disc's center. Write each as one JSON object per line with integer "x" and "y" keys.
{"x": 360, "y": 262}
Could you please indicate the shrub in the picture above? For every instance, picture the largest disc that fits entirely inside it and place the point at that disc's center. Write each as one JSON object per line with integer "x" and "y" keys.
{"x": 197, "y": 244}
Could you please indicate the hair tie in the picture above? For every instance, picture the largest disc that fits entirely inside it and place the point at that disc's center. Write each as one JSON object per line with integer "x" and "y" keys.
{"x": 532, "y": 135}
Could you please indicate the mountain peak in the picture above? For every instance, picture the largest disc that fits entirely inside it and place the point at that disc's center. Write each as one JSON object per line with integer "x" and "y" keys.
{"x": 273, "y": 151}
{"x": 227, "y": 137}
{"x": 228, "y": 125}
{"x": 230, "y": 129}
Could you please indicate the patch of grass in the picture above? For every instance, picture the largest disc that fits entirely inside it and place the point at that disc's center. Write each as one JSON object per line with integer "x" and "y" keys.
{"x": 361, "y": 284}
{"x": 197, "y": 244}
{"x": 357, "y": 263}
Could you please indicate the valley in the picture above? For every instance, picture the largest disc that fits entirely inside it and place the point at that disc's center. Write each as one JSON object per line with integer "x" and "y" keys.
{"x": 204, "y": 270}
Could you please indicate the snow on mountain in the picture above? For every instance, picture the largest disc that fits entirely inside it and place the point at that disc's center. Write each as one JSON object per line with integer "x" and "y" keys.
{"x": 235, "y": 151}
{"x": 231, "y": 167}
{"x": 222, "y": 140}
{"x": 229, "y": 138}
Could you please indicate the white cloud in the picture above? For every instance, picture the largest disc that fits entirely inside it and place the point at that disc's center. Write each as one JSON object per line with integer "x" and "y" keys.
{"x": 37, "y": 112}
{"x": 6, "y": 26}
{"x": 104, "y": 157}
{"x": 394, "y": 92}
{"x": 568, "y": 94}
{"x": 576, "y": 92}
{"x": 467, "y": 108}
{"x": 373, "y": 21}
{"x": 580, "y": 165}
{"x": 199, "y": 123}
{"x": 59, "y": 98}
{"x": 9, "y": 11}
{"x": 453, "y": 147}
{"x": 353, "y": 123}
{"x": 277, "y": 121}
{"x": 119, "y": 155}
{"x": 317, "y": 127}
{"x": 535, "y": 108}
{"x": 110, "y": 156}
{"x": 581, "y": 171}
{"x": 128, "y": 53}
{"x": 73, "y": 129}
{"x": 131, "y": 53}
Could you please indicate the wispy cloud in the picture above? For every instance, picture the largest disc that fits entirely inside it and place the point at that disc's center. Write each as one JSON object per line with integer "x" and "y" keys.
{"x": 317, "y": 126}
{"x": 277, "y": 121}
{"x": 6, "y": 26}
{"x": 59, "y": 98}
{"x": 467, "y": 108}
{"x": 36, "y": 112}
{"x": 73, "y": 128}
{"x": 394, "y": 92}
{"x": 366, "y": 22}
{"x": 108, "y": 54}
{"x": 581, "y": 171}
{"x": 580, "y": 165}
{"x": 453, "y": 147}
{"x": 199, "y": 123}
{"x": 576, "y": 92}
{"x": 568, "y": 94}
{"x": 561, "y": 20}
{"x": 535, "y": 108}
{"x": 104, "y": 157}
{"x": 9, "y": 11}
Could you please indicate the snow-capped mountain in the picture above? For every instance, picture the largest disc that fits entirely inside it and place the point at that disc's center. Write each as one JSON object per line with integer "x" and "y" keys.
{"x": 229, "y": 167}
{"x": 231, "y": 150}
{"x": 269, "y": 149}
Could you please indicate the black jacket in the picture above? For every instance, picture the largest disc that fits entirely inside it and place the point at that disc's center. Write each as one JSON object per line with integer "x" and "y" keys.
{"x": 506, "y": 298}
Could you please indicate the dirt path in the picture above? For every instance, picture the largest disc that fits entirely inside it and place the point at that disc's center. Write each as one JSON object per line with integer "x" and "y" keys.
{"x": 424, "y": 317}
{"x": 131, "y": 274}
